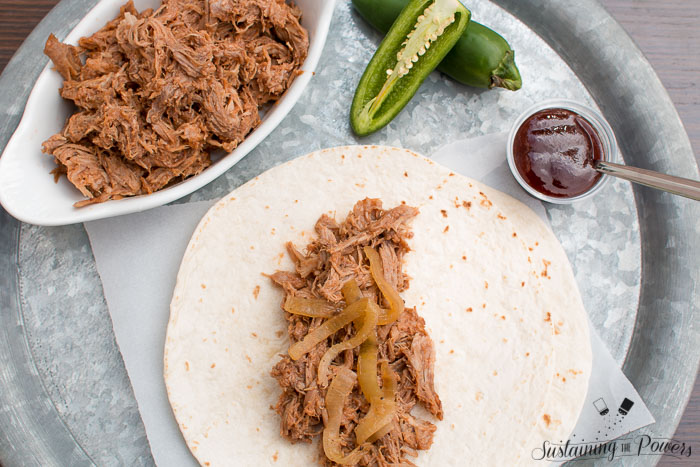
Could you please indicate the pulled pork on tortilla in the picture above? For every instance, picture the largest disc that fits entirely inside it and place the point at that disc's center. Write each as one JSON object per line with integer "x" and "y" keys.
{"x": 493, "y": 287}
{"x": 335, "y": 260}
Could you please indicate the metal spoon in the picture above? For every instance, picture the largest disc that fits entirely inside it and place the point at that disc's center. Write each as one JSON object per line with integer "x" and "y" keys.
{"x": 676, "y": 185}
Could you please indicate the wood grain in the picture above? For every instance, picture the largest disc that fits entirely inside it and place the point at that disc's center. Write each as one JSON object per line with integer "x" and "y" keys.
{"x": 17, "y": 20}
{"x": 666, "y": 31}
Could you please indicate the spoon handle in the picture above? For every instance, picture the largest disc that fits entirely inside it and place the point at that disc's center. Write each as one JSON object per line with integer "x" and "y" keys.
{"x": 676, "y": 185}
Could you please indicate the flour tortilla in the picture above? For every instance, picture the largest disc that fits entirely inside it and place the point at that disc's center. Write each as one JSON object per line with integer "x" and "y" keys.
{"x": 494, "y": 318}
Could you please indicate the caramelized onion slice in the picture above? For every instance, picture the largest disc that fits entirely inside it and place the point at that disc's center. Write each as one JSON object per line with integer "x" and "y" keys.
{"x": 366, "y": 322}
{"x": 367, "y": 368}
{"x": 338, "y": 391}
{"x": 350, "y": 313}
{"x": 383, "y": 431}
{"x": 312, "y": 307}
{"x": 351, "y": 291}
{"x": 381, "y": 412}
{"x": 390, "y": 294}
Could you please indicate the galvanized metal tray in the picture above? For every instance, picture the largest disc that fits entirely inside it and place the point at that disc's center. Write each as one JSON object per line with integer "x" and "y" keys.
{"x": 65, "y": 398}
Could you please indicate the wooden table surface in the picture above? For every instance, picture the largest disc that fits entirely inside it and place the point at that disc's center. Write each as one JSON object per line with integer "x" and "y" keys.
{"x": 666, "y": 31}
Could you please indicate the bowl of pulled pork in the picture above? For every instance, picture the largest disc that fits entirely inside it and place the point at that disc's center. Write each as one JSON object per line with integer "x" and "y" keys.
{"x": 147, "y": 101}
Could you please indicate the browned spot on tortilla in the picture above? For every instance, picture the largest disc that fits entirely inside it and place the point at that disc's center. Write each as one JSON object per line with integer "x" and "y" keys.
{"x": 444, "y": 212}
{"x": 575, "y": 372}
{"x": 452, "y": 351}
{"x": 447, "y": 227}
{"x": 213, "y": 365}
{"x": 556, "y": 330}
{"x": 253, "y": 334}
{"x": 279, "y": 334}
{"x": 483, "y": 305}
{"x": 207, "y": 463}
{"x": 469, "y": 310}
{"x": 256, "y": 291}
{"x": 467, "y": 204}
{"x": 451, "y": 174}
{"x": 430, "y": 197}
{"x": 501, "y": 216}
{"x": 479, "y": 395}
{"x": 248, "y": 358}
{"x": 359, "y": 156}
{"x": 485, "y": 202}
{"x": 464, "y": 257}
{"x": 486, "y": 284}
{"x": 495, "y": 373}
{"x": 233, "y": 310}
{"x": 527, "y": 354}
{"x": 204, "y": 286}
{"x": 405, "y": 174}
{"x": 267, "y": 206}
{"x": 515, "y": 234}
{"x": 187, "y": 365}
{"x": 275, "y": 456}
{"x": 503, "y": 317}
{"x": 549, "y": 317}
{"x": 522, "y": 284}
{"x": 547, "y": 419}
{"x": 544, "y": 272}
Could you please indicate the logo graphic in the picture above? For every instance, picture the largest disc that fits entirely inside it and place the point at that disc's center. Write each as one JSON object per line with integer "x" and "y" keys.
{"x": 601, "y": 406}
{"x": 625, "y": 406}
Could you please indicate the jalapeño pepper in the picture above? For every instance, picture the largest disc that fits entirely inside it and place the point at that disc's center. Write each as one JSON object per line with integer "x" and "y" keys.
{"x": 480, "y": 58}
{"x": 420, "y": 37}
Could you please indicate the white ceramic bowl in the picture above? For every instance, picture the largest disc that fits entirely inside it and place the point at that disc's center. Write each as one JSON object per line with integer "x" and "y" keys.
{"x": 602, "y": 127}
{"x": 27, "y": 189}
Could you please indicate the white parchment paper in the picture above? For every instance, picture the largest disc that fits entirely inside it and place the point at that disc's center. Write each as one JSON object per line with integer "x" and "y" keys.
{"x": 138, "y": 257}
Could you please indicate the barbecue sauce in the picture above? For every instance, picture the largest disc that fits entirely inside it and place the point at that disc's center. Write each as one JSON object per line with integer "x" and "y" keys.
{"x": 554, "y": 151}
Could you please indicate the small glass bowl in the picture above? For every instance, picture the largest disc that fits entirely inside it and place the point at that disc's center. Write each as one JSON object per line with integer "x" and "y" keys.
{"x": 607, "y": 138}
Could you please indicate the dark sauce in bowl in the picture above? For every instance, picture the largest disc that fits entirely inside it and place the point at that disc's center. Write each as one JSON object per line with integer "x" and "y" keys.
{"x": 554, "y": 151}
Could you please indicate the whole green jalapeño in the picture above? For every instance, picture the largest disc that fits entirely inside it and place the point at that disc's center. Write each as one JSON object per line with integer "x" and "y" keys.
{"x": 418, "y": 40}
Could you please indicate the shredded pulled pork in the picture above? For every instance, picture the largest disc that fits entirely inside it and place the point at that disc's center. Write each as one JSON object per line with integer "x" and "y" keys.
{"x": 335, "y": 257}
{"x": 158, "y": 91}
